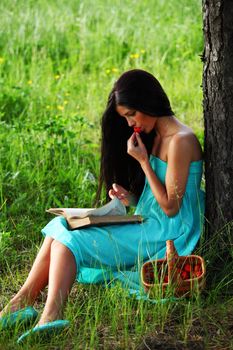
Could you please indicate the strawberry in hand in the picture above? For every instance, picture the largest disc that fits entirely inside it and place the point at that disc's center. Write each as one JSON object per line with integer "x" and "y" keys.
{"x": 137, "y": 129}
{"x": 136, "y": 148}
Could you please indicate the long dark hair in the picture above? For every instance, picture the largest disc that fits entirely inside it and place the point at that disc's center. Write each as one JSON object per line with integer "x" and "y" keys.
{"x": 139, "y": 90}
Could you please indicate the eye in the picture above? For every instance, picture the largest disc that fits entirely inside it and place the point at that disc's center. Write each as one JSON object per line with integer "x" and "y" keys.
{"x": 131, "y": 114}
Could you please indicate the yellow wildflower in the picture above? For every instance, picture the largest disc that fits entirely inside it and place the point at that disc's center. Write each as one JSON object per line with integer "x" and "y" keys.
{"x": 134, "y": 55}
{"x": 108, "y": 71}
{"x": 65, "y": 102}
{"x": 143, "y": 51}
{"x": 57, "y": 77}
{"x": 60, "y": 108}
{"x": 114, "y": 70}
{"x": 1, "y": 60}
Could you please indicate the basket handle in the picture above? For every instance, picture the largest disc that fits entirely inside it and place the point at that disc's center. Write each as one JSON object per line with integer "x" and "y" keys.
{"x": 171, "y": 257}
{"x": 171, "y": 252}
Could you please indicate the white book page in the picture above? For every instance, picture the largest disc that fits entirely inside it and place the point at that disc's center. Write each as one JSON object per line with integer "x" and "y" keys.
{"x": 114, "y": 207}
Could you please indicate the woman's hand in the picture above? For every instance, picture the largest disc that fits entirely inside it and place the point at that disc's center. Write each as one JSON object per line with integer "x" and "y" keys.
{"x": 122, "y": 194}
{"x": 136, "y": 148}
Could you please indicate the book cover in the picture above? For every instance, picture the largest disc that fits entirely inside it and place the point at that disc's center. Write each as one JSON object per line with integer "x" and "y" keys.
{"x": 75, "y": 222}
{"x": 114, "y": 212}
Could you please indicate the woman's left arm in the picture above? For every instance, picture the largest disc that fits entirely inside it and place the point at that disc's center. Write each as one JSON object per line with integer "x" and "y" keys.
{"x": 169, "y": 196}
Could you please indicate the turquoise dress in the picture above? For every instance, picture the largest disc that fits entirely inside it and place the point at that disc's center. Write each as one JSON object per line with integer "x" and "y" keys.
{"x": 116, "y": 252}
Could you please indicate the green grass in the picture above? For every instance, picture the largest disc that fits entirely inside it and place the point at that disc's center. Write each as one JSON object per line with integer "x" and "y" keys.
{"x": 58, "y": 62}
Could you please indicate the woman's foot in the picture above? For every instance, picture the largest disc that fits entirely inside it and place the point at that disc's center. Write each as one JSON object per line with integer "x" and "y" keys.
{"x": 46, "y": 318}
{"x": 15, "y": 304}
{"x": 23, "y": 316}
{"x": 9, "y": 308}
{"x": 44, "y": 332}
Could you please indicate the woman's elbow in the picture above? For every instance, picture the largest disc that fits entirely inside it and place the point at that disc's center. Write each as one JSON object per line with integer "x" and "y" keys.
{"x": 171, "y": 207}
{"x": 171, "y": 211}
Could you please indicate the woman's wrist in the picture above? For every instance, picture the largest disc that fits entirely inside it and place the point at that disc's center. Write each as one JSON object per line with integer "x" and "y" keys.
{"x": 144, "y": 163}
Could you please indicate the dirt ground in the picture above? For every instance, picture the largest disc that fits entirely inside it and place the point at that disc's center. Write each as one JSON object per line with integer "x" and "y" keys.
{"x": 211, "y": 330}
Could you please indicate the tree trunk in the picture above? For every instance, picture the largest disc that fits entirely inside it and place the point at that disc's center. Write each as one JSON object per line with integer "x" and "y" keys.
{"x": 218, "y": 117}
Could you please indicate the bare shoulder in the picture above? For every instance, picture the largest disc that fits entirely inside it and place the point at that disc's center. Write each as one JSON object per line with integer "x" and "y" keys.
{"x": 186, "y": 144}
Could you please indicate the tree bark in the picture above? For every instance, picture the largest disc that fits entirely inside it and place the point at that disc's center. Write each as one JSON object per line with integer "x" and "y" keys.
{"x": 218, "y": 110}
{"x": 218, "y": 118}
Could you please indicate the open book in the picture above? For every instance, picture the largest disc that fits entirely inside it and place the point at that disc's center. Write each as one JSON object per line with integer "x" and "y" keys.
{"x": 113, "y": 212}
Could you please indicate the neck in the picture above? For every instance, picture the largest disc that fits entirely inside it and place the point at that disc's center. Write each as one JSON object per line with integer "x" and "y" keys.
{"x": 166, "y": 126}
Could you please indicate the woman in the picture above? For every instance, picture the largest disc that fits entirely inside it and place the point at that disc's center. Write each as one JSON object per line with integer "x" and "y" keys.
{"x": 159, "y": 170}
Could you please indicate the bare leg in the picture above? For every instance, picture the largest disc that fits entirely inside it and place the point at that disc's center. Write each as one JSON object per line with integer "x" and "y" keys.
{"x": 62, "y": 273}
{"x": 36, "y": 280}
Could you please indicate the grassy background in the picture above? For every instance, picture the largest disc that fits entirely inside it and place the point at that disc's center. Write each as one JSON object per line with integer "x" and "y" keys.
{"x": 58, "y": 62}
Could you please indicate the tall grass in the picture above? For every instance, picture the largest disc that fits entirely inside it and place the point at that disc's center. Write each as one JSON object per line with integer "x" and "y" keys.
{"x": 58, "y": 62}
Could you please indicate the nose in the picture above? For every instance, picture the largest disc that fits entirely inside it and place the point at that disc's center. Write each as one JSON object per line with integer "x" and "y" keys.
{"x": 130, "y": 122}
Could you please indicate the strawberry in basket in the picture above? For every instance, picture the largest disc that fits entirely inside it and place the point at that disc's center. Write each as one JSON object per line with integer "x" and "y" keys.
{"x": 176, "y": 275}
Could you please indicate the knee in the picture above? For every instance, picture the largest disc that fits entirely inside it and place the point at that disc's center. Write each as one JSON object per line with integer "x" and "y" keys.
{"x": 55, "y": 245}
{"x": 47, "y": 242}
{"x": 60, "y": 251}
{"x": 60, "y": 248}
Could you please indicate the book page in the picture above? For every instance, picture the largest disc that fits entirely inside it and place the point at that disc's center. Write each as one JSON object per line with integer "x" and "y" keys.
{"x": 114, "y": 207}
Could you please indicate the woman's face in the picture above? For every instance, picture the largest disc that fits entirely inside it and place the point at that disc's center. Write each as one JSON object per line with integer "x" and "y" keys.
{"x": 137, "y": 119}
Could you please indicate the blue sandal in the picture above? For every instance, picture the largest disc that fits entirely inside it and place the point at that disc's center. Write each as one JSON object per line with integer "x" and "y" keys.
{"x": 45, "y": 331}
{"x": 21, "y": 317}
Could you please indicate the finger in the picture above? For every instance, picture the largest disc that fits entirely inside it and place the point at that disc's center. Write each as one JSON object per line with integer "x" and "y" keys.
{"x": 135, "y": 140}
{"x": 132, "y": 135}
{"x": 132, "y": 141}
{"x": 119, "y": 191}
{"x": 132, "y": 138}
{"x": 111, "y": 193}
{"x": 138, "y": 137}
{"x": 139, "y": 140}
{"x": 115, "y": 187}
{"x": 119, "y": 196}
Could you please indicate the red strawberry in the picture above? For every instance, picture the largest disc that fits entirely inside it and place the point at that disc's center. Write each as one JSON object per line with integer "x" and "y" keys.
{"x": 198, "y": 273}
{"x": 165, "y": 280}
{"x": 184, "y": 275}
{"x": 197, "y": 268}
{"x": 187, "y": 267}
{"x": 137, "y": 129}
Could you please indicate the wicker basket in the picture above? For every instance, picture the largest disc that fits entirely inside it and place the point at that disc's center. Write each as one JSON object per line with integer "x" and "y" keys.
{"x": 175, "y": 275}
